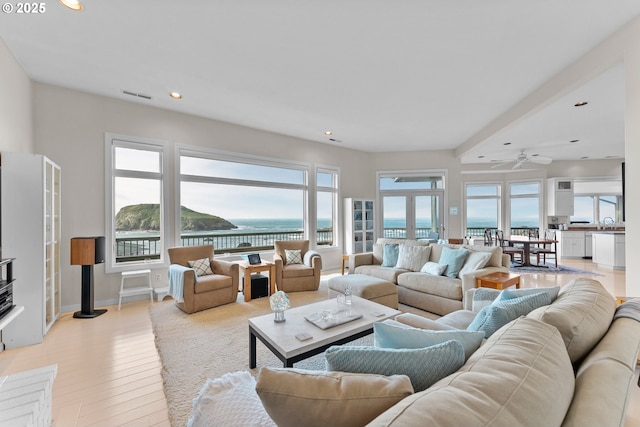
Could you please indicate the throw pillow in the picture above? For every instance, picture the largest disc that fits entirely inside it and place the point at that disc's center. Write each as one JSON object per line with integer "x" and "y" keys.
{"x": 433, "y": 268}
{"x": 297, "y": 397}
{"x": 294, "y": 256}
{"x": 482, "y": 297}
{"x": 412, "y": 257}
{"x": 453, "y": 259}
{"x": 499, "y": 313}
{"x": 423, "y": 366}
{"x": 390, "y": 255}
{"x": 202, "y": 267}
{"x": 388, "y": 335}
{"x": 229, "y": 400}
{"x": 474, "y": 261}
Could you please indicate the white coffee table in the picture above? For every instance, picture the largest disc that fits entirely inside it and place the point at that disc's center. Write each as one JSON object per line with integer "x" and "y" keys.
{"x": 281, "y": 339}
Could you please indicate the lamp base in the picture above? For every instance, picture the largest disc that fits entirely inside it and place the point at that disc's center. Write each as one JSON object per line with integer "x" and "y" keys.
{"x": 91, "y": 315}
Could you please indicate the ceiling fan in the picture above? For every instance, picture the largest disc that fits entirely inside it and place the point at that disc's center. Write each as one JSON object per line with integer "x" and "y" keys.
{"x": 523, "y": 158}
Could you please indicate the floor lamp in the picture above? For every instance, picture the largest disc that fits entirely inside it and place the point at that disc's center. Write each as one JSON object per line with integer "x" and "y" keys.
{"x": 87, "y": 251}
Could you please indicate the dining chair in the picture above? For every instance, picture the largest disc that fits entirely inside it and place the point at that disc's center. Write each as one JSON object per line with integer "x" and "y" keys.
{"x": 512, "y": 251}
{"x": 547, "y": 248}
{"x": 488, "y": 237}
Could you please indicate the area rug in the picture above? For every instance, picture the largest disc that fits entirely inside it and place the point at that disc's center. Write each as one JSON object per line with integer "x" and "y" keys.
{"x": 550, "y": 268}
{"x": 210, "y": 343}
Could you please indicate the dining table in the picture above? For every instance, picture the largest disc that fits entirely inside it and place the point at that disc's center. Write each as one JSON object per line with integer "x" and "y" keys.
{"x": 526, "y": 243}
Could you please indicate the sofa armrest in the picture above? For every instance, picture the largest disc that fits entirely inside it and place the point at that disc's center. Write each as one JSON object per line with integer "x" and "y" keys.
{"x": 355, "y": 260}
{"x": 226, "y": 268}
{"x": 415, "y": 321}
{"x": 506, "y": 261}
{"x": 469, "y": 280}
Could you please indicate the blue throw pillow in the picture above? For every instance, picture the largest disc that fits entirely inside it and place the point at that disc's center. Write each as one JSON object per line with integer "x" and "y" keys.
{"x": 502, "y": 311}
{"x": 423, "y": 366}
{"x": 453, "y": 259}
{"x": 387, "y": 335}
{"x": 390, "y": 255}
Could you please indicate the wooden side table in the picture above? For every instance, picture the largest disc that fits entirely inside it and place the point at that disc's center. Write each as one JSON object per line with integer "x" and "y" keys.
{"x": 345, "y": 257}
{"x": 498, "y": 280}
{"x": 257, "y": 268}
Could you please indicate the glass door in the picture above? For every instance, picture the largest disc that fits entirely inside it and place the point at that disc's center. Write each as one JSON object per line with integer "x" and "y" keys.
{"x": 412, "y": 216}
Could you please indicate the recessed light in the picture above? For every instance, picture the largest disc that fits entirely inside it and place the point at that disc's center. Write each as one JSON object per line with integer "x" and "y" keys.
{"x": 328, "y": 133}
{"x": 507, "y": 143}
{"x": 481, "y": 157}
{"x": 72, "y": 4}
{"x": 573, "y": 141}
{"x": 175, "y": 95}
{"x": 580, "y": 104}
{"x": 584, "y": 157}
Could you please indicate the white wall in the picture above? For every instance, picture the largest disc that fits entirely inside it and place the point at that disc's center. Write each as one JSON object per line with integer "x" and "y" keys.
{"x": 16, "y": 124}
{"x": 70, "y": 127}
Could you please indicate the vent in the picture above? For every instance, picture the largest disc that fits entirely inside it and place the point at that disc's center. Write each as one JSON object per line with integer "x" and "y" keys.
{"x": 139, "y": 95}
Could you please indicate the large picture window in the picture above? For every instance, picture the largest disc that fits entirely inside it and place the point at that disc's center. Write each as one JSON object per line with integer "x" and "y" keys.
{"x": 240, "y": 204}
{"x": 136, "y": 210}
{"x": 326, "y": 207}
{"x": 524, "y": 207}
{"x": 482, "y": 211}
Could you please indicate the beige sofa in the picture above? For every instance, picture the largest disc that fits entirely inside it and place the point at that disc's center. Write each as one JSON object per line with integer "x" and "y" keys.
{"x": 570, "y": 363}
{"x": 436, "y": 294}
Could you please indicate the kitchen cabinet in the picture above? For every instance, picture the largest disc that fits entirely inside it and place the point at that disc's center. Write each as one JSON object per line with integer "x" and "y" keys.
{"x": 571, "y": 244}
{"x": 609, "y": 249}
{"x": 559, "y": 197}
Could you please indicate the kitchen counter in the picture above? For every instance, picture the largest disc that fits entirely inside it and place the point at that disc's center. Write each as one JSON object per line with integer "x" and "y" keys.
{"x": 609, "y": 249}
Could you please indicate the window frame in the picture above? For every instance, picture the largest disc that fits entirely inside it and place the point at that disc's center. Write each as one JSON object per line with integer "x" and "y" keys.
{"x": 498, "y": 197}
{"x": 335, "y": 189}
{"x": 112, "y": 141}
{"x": 509, "y": 197}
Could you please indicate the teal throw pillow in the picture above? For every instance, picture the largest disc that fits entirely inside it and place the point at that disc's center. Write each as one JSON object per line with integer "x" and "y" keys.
{"x": 502, "y": 311}
{"x": 388, "y": 335}
{"x": 483, "y": 297}
{"x": 390, "y": 255}
{"x": 423, "y": 366}
{"x": 453, "y": 259}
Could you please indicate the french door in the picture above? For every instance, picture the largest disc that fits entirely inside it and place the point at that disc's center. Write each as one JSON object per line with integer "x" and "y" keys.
{"x": 412, "y": 214}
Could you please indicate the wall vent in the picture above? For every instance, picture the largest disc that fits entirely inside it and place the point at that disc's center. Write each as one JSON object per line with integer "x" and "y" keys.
{"x": 139, "y": 95}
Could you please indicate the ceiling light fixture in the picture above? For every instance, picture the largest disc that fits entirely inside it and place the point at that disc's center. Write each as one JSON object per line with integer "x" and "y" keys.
{"x": 175, "y": 95}
{"x": 573, "y": 141}
{"x": 580, "y": 104}
{"x": 72, "y": 4}
{"x": 507, "y": 143}
{"x": 328, "y": 133}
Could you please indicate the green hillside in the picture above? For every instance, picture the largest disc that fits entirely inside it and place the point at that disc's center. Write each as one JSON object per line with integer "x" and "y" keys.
{"x": 146, "y": 217}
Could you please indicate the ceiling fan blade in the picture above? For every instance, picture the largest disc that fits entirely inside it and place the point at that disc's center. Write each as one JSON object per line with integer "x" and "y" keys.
{"x": 518, "y": 164}
{"x": 501, "y": 163}
{"x": 543, "y": 160}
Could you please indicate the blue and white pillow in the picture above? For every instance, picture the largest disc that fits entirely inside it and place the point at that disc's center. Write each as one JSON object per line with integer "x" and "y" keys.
{"x": 505, "y": 309}
{"x": 483, "y": 297}
{"x": 387, "y": 335}
{"x": 453, "y": 259}
{"x": 423, "y": 366}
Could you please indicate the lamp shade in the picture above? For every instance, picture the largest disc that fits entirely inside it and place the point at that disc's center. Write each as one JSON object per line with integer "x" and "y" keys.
{"x": 87, "y": 250}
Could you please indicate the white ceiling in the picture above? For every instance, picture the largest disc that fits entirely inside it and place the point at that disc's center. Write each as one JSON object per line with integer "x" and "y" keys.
{"x": 383, "y": 76}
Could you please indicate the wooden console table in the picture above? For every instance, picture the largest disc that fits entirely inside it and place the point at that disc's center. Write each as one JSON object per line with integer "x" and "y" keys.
{"x": 249, "y": 269}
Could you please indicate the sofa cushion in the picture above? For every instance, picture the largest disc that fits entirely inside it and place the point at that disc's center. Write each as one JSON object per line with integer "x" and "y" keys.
{"x": 495, "y": 251}
{"x": 423, "y": 366}
{"x": 442, "y": 286}
{"x": 412, "y": 257}
{"x": 475, "y": 261}
{"x": 385, "y": 273}
{"x": 390, "y": 255}
{"x": 505, "y": 309}
{"x": 483, "y": 297}
{"x": 582, "y": 312}
{"x": 296, "y": 397}
{"x": 521, "y": 376}
{"x": 388, "y": 334}
{"x": 433, "y": 268}
{"x": 454, "y": 259}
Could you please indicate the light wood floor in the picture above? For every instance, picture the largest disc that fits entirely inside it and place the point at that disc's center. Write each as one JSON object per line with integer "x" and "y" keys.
{"x": 109, "y": 370}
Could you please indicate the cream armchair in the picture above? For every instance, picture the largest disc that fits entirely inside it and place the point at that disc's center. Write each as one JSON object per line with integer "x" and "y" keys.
{"x": 294, "y": 277}
{"x": 207, "y": 291}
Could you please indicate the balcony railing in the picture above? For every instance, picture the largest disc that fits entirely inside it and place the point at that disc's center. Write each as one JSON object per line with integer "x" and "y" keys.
{"x": 149, "y": 248}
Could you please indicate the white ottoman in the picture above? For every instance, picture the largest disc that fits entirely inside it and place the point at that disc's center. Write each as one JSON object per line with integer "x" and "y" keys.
{"x": 367, "y": 287}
